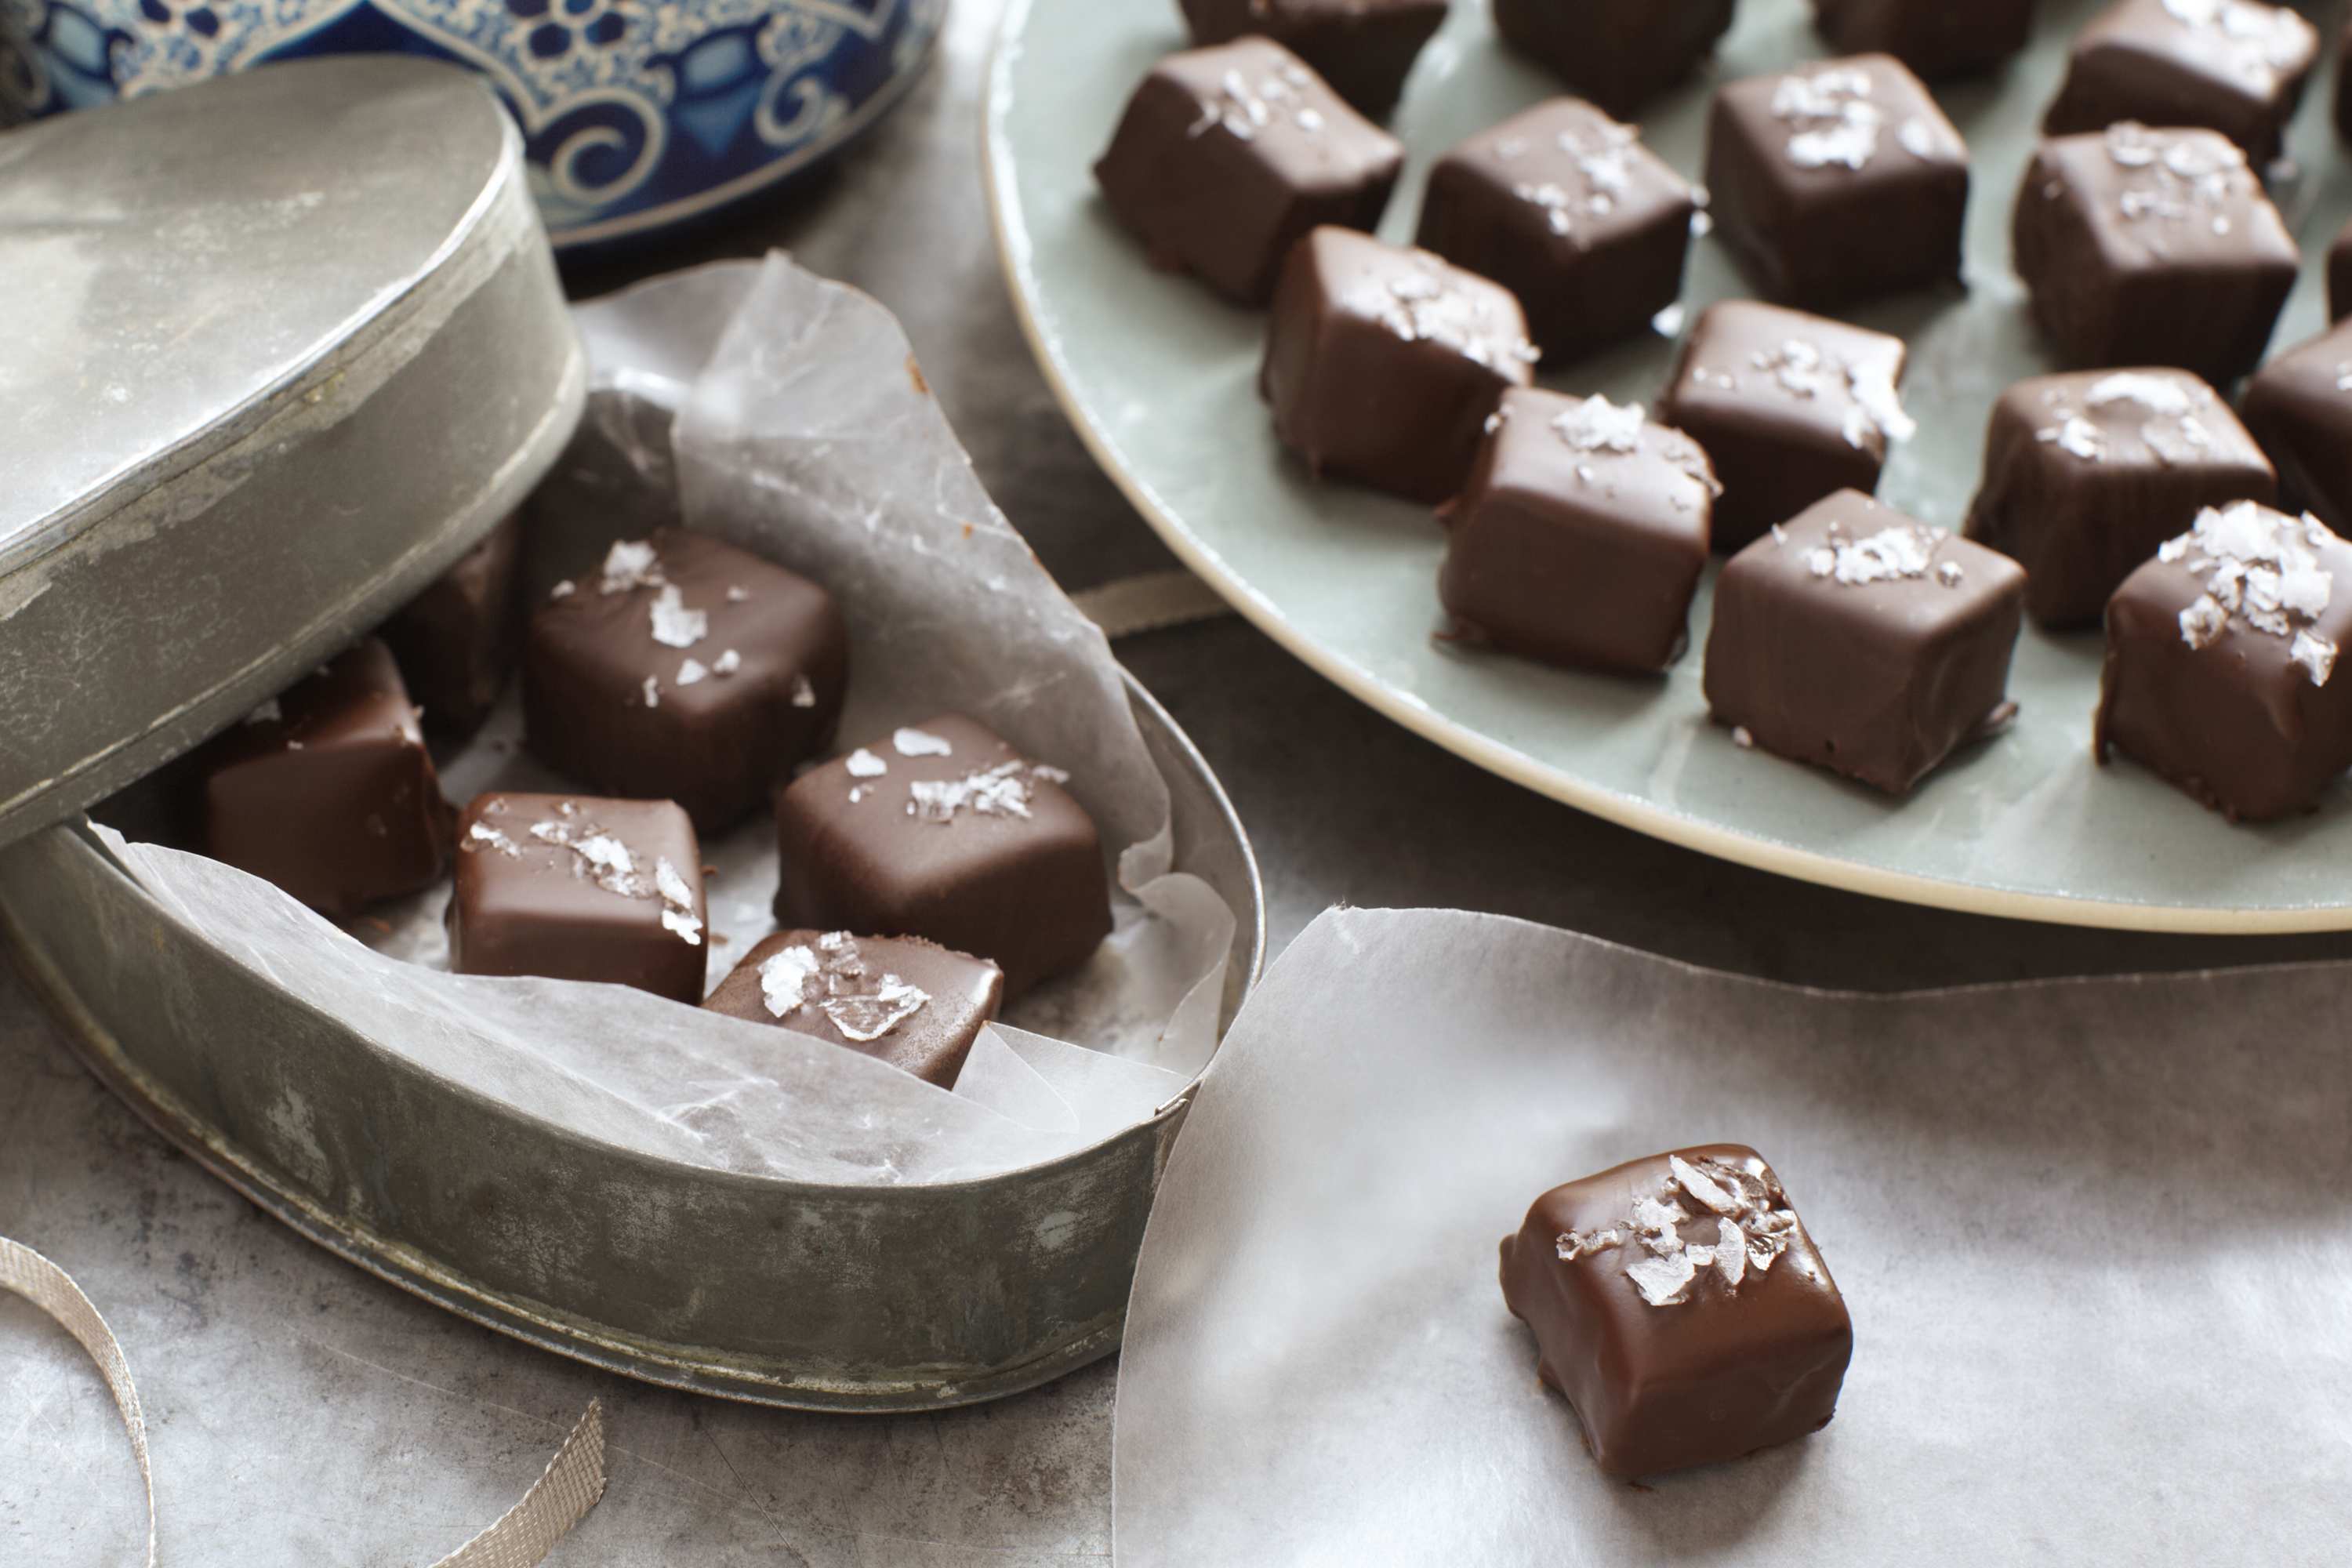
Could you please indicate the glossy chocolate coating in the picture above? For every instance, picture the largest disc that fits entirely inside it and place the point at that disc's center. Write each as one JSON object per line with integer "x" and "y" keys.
{"x": 1581, "y": 536}
{"x": 1383, "y": 363}
{"x": 540, "y": 891}
{"x": 328, "y": 790}
{"x": 2300, "y": 408}
{"x": 1619, "y": 54}
{"x": 2086, "y": 473}
{"x": 1741, "y": 1354}
{"x": 852, "y": 992}
{"x": 2148, "y": 247}
{"x": 1789, "y": 407}
{"x": 2237, "y": 66}
{"x": 2234, "y": 712}
{"x": 1566, "y": 208}
{"x": 606, "y": 700}
{"x": 1937, "y": 40}
{"x": 1364, "y": 49}
{"x": 455, "y": 641}
{"x": 2339, "y": 275}
{"x": 1004, "y": 864}
{"x": 1225, "y": 156}
{"x": 1879, "y": 678}
{"x": 1837, "y": 182}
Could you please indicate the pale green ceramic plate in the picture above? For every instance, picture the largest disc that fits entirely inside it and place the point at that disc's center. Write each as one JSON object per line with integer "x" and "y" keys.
{"x": 1157, "y": 376}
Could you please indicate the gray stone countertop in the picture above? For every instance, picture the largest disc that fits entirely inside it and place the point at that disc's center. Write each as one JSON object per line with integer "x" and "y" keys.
{"x": 304, "y": 1413}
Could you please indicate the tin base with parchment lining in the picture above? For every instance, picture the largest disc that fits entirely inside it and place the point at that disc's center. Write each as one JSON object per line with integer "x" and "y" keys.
{"x": 781, "y": 1292}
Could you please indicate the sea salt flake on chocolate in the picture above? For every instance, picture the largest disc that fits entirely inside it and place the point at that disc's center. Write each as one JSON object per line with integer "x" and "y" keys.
{"x": 2203, "y": 622}
{"x": 727, "y": 663}
{"x": 675, "y": 626}
{"x": 1838, "y": 125}
{"x": 1730, "y": 1254}
{"x": 2077, "y": 437}
{"x": 1656, "y": 1221}
{"x": 865, "y": 764}
{"x": 1892, "y": 552}
{"x": 916, "y": 744}
{"x": 653, "y": 692}
{"x": 1663, "y": 1281}
{"x": 670, "y": 884}
{"x": 866, "y": 1017}
{"x": 1000, "y": 791}
{"x": 1597, "y": 425}
{"x": 482, "y": 833}
{"x": 1575, "y": 1244}
{"x": 784, "y": 979}
{"x": 1701, "y": 1186}
{"x": 630, "y": 563}
{"x": 692, "y": 671}
{"x": 2315, "y": 654}
{"x": 563, "y": 590}
{"x": 1872, "y": 382}
{"x": 684, "y": 926}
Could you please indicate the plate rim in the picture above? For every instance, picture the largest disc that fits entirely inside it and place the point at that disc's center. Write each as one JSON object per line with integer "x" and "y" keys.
{"x": 1009, "y": 231}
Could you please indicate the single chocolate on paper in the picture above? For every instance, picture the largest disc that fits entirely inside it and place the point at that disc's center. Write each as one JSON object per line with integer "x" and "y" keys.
{"x": 1564, "y": 207}
{"x": 1680, "y": 1305}
{"x": 2086, "y": 473}
{"x": 1863, "y": 641}
{"x": 908, "y": 1001}
{"x": 1581, "y": 536}
{"x": 2299, "y": 406}
{"x": 2220, "y": 669}
{"x": 942, "y": 831}
{"x": 577, "y": 888}
{"x": 327, "y": 789}
{"x": 455, "y": 641}
{"x": 1619, "y": 54}
{"x": 1364, "y": 49}
{"x": 2148, "y": 247}
{"x": 1383, "y": 363}
{"x": 1225, "y": 156}
{"x": 1937, "y": 40}
{"x": 1789, "y": 408}
{"x": 2237, "y": 66}
{"x": 1837, "y": 182}
{"x": 684, "y": 669}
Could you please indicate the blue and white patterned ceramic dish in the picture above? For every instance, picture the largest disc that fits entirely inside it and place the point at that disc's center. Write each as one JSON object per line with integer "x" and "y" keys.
{"x": 635, "y": 114}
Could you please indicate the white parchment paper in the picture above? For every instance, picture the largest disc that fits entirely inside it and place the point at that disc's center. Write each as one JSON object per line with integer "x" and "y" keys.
{"x": 2096, "y": 1235}
{"x": 785, "y": 412}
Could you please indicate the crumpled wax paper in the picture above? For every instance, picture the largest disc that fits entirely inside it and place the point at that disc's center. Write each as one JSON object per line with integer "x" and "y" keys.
{"x": 785, "y": 412}
{"x": 2096, "y": 1237}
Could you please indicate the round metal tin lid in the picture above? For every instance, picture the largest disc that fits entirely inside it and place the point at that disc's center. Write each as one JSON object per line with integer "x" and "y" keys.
{"x": 239, "y": 428}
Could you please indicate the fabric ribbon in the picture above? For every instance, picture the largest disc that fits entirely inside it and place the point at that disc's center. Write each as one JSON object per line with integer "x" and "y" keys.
{"x": 561, "y": 1496}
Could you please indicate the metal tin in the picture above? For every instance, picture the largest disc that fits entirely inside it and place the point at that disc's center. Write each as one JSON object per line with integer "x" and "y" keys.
{"x": 781, "y": 1292}
{"x": 279, "y": 348}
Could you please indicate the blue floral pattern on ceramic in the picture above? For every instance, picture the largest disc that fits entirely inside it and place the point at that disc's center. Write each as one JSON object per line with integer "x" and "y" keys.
{"x": 634, "y": 113}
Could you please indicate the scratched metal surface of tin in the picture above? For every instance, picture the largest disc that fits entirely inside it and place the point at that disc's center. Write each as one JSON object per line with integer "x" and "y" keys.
{"x": 279, "y": 348}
